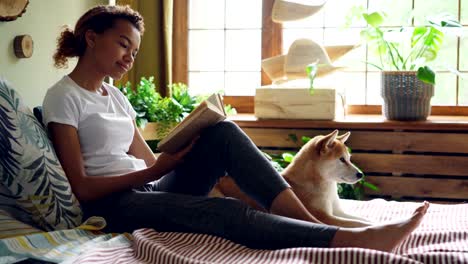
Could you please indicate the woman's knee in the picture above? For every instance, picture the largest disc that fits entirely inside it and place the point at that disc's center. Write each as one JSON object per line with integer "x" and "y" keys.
{"x": 226, "y": 127}
{"x": 221, "y": 133}
{"x": 233, "y": 206}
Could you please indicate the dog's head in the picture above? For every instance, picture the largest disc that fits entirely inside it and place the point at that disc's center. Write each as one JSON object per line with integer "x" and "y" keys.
{"x": 330, "y": 158}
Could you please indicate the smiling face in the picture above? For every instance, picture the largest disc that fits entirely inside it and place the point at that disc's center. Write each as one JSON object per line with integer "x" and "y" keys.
{"x": 114, "y": 50}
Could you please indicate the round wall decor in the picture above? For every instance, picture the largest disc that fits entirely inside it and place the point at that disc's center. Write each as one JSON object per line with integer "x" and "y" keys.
{"x": 12, "y": 9}
{"x": 23, "y": 46}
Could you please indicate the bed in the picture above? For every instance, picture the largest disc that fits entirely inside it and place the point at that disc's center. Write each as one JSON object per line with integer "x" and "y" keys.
{"x": 442, "y": 237}
{"x": 41, "y": 220}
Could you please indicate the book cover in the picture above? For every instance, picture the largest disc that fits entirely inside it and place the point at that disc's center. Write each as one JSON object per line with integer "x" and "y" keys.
{"x": 208, "y": 113}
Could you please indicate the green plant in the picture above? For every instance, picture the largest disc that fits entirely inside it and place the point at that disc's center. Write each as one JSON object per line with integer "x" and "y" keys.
{"x": 406, "y": 48}
{"x": 179, "y": 93}
{"x": 150, "y": 106}
{"x": 311, "y": 71}
{"x": 167, "y": 111}
{"x": 345, "y": 191}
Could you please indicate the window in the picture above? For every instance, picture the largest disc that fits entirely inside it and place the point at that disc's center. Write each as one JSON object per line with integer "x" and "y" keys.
{"x": 224, "y": 42}
{"x": 225, "y": 46}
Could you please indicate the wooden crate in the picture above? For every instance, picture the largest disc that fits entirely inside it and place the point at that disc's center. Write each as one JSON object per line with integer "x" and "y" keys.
{"x": 156, "y": 131}
{"x": 297, "y": 103}
{"x": 405, "y": 165}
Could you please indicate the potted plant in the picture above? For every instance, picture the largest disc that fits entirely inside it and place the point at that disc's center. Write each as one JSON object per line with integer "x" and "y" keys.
{"x": 155, "y": 113}
{"x": 404, "y": 55}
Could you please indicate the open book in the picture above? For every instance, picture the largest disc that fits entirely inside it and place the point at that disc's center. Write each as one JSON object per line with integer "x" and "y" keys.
{"x": 208, "y": 113}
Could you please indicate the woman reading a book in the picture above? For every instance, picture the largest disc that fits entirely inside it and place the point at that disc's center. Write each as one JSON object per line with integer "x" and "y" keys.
{"x": 114, "y": 174}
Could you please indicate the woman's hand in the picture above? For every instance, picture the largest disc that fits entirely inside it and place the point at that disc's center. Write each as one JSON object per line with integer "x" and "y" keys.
{"x": 181, "y": 154}
{"x": 167, "y": 162}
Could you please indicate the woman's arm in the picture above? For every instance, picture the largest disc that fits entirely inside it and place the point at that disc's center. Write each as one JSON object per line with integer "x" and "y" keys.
{"x": 165, "y": 162}
{"x": 140, "y": 149}
{"x": 87, "y": 188}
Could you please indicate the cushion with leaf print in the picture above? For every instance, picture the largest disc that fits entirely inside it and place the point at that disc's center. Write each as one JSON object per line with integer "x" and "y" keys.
{"x": 29, "y": 168}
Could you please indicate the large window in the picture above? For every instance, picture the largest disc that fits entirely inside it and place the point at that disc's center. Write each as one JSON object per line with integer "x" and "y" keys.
{"x": 225, "y": 46}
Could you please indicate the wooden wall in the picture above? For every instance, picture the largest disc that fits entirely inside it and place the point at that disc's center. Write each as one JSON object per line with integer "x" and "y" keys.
{"x": 408, "y": 161}
{"x": 406, "y": 164}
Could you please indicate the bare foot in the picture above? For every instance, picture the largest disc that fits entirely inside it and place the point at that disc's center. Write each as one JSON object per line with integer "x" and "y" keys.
{"x": 383, "y": 237}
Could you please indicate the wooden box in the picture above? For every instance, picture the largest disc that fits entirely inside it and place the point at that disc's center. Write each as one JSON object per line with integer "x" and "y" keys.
{"x": 297, "y": 103}
{"x": 155, "y": 130}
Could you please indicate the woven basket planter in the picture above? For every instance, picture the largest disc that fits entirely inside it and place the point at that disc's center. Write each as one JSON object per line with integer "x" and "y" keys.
{"x": 406, "y": 98}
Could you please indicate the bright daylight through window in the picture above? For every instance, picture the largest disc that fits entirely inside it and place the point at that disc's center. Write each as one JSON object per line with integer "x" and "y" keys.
{"x": 225, "y": 46}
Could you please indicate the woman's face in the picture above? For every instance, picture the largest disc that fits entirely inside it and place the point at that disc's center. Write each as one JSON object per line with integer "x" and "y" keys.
{"x": 114, "y": 50}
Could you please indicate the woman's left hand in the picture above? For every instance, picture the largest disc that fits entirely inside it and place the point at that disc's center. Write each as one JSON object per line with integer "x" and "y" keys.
{"x": 166, "y": 162}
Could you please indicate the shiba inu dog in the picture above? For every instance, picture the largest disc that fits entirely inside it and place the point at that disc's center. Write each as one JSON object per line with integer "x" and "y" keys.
{"x": 314, "y": 173}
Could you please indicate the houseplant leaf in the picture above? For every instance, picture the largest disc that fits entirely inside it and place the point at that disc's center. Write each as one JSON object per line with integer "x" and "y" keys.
{"x": 374, "y": 19}
{"x": 426, "y": 74}
{"x": 311, "y": 70}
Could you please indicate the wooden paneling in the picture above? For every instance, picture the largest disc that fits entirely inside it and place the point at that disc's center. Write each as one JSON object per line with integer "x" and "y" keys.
{"x": 396, "y": 142}
{"x": 399, "y": 142}
{"x": 412, "y": 164}
{"x": 361, "y": 122}
{"x": 405, "y": 164}
{"x": 419, "y": 187}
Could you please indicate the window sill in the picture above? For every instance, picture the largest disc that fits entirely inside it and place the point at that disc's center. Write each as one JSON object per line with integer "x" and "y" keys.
{"x": 354, "y": 121}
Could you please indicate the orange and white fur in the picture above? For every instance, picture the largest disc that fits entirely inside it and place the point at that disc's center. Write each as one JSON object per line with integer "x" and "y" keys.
{"x": 314, "y": 173}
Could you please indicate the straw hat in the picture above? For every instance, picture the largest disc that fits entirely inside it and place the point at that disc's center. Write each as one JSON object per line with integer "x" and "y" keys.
{"x": 300, "y": 54}
{"x": 289, "y": 10}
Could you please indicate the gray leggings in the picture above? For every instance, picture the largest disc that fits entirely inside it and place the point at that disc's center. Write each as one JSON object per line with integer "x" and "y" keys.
{"x": 178, "y": 202}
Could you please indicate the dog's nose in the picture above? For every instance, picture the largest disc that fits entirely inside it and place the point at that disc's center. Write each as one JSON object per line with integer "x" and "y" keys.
{"x": 359, "y": 175}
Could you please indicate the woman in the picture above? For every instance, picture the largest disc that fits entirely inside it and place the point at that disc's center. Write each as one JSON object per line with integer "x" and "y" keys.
{"x": 113, "y": 173}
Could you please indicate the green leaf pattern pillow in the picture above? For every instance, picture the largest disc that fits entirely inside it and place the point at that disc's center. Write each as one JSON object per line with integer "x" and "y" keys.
{"x": 30, "y": 169}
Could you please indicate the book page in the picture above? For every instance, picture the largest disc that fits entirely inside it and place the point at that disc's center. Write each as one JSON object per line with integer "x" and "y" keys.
{"x": 206, "y": 114}
{"x": 213, "y": 100}
{"x": 217, "y": 100}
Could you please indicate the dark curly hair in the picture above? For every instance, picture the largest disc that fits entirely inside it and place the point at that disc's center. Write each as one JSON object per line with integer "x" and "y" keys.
{"x": 72, "y": 43}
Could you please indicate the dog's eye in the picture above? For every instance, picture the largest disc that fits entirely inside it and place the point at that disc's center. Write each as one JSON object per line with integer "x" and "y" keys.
{"x": 342, "y": 159}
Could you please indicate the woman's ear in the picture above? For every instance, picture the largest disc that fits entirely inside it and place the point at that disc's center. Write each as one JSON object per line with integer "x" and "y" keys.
{"x": 90, "y": 37}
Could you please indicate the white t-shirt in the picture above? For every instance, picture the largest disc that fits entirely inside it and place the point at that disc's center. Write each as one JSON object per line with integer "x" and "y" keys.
{"x": 104, "y": 124}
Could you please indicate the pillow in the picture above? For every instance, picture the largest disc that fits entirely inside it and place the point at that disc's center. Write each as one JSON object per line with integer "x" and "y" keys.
{"x": 8, "y": 205}
{"x": 37, "y": 111}
{"x": 30, "y": 169}
{"x": 10, "y": 227}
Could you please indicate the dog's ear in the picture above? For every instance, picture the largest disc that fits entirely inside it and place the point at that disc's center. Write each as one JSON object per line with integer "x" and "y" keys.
{"x": 344, "y": 137}
{"x": 327, "y": 141}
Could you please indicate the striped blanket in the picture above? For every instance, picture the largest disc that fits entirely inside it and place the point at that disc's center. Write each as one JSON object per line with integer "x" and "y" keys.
{"x": 441, "y": 238}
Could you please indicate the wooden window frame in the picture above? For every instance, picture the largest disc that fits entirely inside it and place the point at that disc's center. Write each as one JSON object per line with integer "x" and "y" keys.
{"x": 271, "y": 46}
